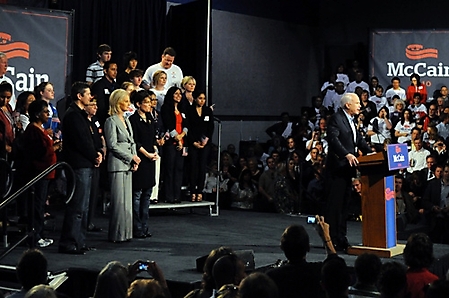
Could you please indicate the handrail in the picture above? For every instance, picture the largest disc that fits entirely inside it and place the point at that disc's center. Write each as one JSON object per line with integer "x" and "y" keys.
{"x": 39, "y": 177}
{"x": 70, "y": 188}
{"x": 8, "y": 186}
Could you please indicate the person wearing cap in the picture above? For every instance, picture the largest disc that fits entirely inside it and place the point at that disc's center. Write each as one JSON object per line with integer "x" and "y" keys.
{"x": 94, "y": 71}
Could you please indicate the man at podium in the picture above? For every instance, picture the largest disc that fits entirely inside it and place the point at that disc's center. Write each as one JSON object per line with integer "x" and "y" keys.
{"x": 344, "y": 145}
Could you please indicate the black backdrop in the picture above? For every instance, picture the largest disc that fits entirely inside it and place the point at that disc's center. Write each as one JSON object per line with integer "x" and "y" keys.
{"x": 186, "y": 33}
{"x": 126, "y": 25}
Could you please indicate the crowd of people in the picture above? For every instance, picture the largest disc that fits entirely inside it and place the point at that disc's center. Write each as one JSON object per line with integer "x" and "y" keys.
{"x": 123, "y": 131}
{"x": 225, "y": 274}
{"x": 151, "y": 134}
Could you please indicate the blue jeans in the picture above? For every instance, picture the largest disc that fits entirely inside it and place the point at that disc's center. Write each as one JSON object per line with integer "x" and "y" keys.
{"x": 141, "y": 203}
{"x": 75, "y": 219}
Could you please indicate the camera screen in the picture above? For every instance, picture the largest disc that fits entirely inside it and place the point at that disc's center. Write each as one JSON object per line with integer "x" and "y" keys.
{"x": 143, "y": 267}
{"x": 311, "y": 219}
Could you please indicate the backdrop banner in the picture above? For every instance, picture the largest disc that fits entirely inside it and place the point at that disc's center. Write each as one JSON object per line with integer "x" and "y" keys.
{"x": 38, "y": 46}
{"x": 402, "y": 53}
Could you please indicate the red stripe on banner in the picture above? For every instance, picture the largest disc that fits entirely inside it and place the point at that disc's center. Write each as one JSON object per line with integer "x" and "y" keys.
{"x": 15, "y": 46}
{"x": 17, "y": 54}
{"x": 5, "y": 37}
{"x": 417, "y": 51}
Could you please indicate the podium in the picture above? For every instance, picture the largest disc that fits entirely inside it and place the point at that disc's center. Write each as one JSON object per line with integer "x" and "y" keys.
{"x": 378, "y": 208}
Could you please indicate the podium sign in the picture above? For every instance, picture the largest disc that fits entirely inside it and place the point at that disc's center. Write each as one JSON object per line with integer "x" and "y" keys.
{"x": 397, "y": 156}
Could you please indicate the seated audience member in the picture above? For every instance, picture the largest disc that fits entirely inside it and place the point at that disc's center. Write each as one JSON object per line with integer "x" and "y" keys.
{"x": 403, "y": 128}
{"x": 418, "y": 256}
{"x": 417, "y": 157}
{"x": 379, "y": 128}
{"x": 358, "y": 82}
{"x": 355, "y": 200}
{"x": 148, "y": 288}
{"x": 368, "y": 109}
{"x": 258, "y": 285}
{"x": 440, "y": 151}
{"x": 367, "y": 269}
{"x": 208, "y": 283}
{"x": 393, "y": 280}
{"x": 228, "y": 269}
{"x": 428, "y": 172}
{"x": 396, "y": 110}
{"x": 395, "y": 89}
{"x": 229, "y": 175}
{"x": 267, "y": 181}
{"x": 234, "y": 156}
{"x": 297, "y": 276}
{"x": 255, "y": 172}
{"x": 430, "y": 137}
{"x": 379, "y": 99}
{"x": 317, "y": 111}
{"x": 315, "y": 190}
{"x": 281, "y": 129}
{"x": 302, "y": 130}
{"x": 416, "y": 87}
{"x": 31, "y": 270}
{"x": 291, "y": 147}
{"x": 443, "y": 126}
{"x": 436, "y": 207}
{"x": 418, "y": 108}
{"x": 112, "y": 281}
{"x": 431, "y": 118}
{"x": 41, "y": 291}
{"x": 244, "y": 191}
{"x": 285, "y": 195}
{"x": 154, "y": 287}
{"x": 335, "y": 278}
{"x": 328, "y": 90}
{"x": 404, "y": 202}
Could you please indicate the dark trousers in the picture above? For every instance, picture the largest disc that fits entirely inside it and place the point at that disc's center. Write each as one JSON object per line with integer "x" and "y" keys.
{"x": 198, "y": 159}
{"x": 93, "y": 200}
{"x": 336, "y": 211}
{"x": 40, "y": 196}
{"x": 173, "y": 172}
{"x": 74, "y": 226}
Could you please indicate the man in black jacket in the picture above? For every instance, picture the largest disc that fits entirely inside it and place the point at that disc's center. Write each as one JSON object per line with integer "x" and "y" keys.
{"x": 345, "y": 142}
{"x": 81, "y": 154}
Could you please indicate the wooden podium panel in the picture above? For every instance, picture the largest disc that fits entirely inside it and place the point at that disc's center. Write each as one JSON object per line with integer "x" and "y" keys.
{"x": 378, "y": 208}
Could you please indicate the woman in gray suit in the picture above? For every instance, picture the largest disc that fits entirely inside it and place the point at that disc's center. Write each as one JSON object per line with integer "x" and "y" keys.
{"x": 122, "y": 160}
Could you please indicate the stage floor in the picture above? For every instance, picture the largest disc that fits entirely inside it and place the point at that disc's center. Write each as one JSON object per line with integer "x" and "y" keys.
{"x": 180, "y": 236}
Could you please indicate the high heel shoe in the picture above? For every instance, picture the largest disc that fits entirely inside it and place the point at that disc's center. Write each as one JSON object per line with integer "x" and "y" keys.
{"x": 193, "y": 197}
{"x": 199, "y": 197}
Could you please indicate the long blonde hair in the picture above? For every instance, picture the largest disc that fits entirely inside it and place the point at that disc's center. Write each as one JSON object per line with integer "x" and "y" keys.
{"x": 115, "y": 99}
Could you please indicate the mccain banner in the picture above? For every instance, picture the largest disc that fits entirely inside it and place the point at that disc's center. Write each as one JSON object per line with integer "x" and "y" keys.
{"x": 402, "y": 53}
{"x": 38, "y": 46}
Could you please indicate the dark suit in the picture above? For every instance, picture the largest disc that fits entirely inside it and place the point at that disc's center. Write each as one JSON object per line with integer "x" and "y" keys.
{"x": 101, "y": 90}
{"x": 339, "y": 173}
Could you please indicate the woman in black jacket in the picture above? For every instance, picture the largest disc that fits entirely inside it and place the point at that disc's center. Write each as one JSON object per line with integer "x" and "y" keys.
{"x": 201, "y": 128}
{"x": 175, "y": 122}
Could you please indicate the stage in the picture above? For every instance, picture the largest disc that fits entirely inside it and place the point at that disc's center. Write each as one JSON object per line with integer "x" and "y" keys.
{"x": 182, "y": 235}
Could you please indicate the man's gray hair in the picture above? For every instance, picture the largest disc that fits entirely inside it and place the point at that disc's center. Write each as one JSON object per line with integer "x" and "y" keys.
{"x": 3, "y": 55}
{"x": 346, "y": 98}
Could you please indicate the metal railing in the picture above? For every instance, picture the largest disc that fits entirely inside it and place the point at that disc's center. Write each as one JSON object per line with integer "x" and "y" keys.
{"x": 70, "y": 175}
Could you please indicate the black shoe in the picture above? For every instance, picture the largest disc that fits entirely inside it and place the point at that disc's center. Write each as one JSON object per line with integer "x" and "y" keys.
{"x": 94, "y": 228}
{"x": 148, "y": 235}
{"x": 88, "y": 248}
{"x": 140, "y": 236}
{"x": 72, "y": 250}
{"x": 177, "y": 201}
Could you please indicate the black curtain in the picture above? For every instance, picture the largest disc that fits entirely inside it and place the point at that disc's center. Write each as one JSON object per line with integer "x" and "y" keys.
{"x": 126, "y": 25}
{"x": 187, "y": 29}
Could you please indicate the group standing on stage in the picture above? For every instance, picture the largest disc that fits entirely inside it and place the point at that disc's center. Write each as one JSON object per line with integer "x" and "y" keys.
{"x": 124, "y": 131}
